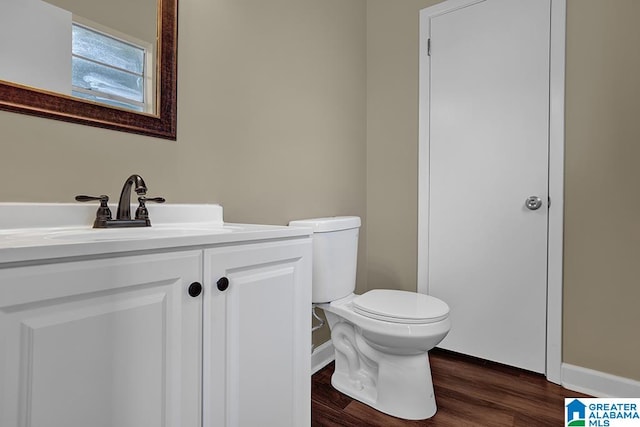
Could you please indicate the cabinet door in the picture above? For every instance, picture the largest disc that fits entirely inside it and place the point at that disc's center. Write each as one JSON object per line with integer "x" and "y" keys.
{"x": 102, "y": 343}
{"x": 257, "y": 335}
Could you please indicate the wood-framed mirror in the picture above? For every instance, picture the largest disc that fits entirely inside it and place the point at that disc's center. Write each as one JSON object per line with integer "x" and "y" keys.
{"x": 160, "y": 120}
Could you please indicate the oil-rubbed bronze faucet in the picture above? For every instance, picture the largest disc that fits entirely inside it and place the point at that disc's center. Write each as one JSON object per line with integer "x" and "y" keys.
{"x": 123, "y": 215}
{"x": 124, "y": 205}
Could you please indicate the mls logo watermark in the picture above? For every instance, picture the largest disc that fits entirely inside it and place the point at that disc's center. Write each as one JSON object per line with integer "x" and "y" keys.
{"x": 596, "y": 412}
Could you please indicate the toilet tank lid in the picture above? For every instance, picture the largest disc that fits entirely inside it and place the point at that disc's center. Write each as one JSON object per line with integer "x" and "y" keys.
{"x": 332, "y": 223}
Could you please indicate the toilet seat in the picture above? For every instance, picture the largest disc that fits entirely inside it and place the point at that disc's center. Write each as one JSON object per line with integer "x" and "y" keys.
{"x": 400, "y": 306}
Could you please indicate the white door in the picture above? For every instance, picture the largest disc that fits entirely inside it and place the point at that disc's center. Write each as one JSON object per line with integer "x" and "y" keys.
{"x": 488, "y": 153}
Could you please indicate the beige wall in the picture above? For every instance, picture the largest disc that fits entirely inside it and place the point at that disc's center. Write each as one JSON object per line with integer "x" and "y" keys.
{"x": 392, "y": 142}
{"x": 270, "y": 120}
{"x": 602, "y": 217}
{"x": 602, "y": 179}
{"x": 136, "y": 18}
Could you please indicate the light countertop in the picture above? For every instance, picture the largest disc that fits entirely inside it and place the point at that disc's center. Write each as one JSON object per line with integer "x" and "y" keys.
{"x": 39, "y": 232}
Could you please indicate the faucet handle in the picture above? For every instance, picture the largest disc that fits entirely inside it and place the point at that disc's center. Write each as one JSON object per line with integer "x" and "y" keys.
{"x": 142, "y": 212}
{"x": 103, "y": 198}
{"x": 151, "y": 199}
{"x": 103, "y": 214}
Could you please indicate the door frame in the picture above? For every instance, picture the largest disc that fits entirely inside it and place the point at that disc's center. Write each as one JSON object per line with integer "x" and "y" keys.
{"x": 556, "y": 170}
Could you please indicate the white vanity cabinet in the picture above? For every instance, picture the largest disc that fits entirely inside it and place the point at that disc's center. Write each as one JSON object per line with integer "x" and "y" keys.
{"x": 110, "y": 333}
{"x": 102, "y": 343}
{"x": 257, "y": 342}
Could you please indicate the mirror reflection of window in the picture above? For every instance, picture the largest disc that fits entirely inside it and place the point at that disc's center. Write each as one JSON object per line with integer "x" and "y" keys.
{"x": 111, "y": 68}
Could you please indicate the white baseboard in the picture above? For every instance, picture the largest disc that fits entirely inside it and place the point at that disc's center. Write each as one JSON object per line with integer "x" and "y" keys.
{"x": 598, "y": 384}
{"x": 321, "y": 356}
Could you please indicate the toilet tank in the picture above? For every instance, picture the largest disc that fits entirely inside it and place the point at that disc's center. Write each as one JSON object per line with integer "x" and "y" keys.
{"x": 335, "y": 256}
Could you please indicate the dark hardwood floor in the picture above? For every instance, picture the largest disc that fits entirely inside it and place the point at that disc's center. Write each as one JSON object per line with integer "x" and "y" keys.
{"x": 469, "y": 392}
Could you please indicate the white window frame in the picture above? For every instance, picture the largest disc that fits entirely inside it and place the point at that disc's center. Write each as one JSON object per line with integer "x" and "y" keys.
{"x": 149, "y": 74}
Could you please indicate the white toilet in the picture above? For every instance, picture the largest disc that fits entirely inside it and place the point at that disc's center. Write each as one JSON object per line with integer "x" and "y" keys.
{"x": 381, "y": 338}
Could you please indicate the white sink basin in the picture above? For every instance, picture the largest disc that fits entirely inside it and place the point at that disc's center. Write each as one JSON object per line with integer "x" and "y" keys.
{"x": 34, "y": 231}
{"x": 23, "y": 224}
{"x": 134, "y": 233}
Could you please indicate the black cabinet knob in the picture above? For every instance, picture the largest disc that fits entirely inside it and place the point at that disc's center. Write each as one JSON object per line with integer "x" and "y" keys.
{"x": 223, "y": 284}
{"x": 195, "y": 289}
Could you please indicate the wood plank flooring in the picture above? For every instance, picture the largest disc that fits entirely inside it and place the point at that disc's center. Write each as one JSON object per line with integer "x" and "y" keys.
{"x": 469, "y": 392}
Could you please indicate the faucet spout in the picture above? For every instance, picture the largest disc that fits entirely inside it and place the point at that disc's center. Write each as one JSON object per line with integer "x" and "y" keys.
{"x": 124, "y": 205}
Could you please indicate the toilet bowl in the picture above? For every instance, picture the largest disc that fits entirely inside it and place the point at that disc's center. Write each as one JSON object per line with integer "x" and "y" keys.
{"x": 381, "y": 338}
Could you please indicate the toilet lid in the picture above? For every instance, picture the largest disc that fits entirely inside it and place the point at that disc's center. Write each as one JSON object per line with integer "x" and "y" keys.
{"x": 400, "y": 306}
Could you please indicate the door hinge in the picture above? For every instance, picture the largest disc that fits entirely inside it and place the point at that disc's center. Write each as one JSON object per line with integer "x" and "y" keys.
{"x": 548, "y": 202}
{"x": 428, "y": 47}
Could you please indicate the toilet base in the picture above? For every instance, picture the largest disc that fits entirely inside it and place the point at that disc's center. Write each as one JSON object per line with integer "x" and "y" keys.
{"x": 403, "y": 393}
{"x": 398, "y": 385}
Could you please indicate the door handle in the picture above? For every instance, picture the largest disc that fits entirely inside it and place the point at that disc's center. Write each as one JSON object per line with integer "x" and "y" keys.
{"x": 533, "y": 203}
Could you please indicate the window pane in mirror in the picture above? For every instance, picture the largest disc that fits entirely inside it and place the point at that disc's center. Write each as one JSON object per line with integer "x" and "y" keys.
{"x": 107, "y": 101}
{"x": 98, "y": 47}
{"x": 91, "y": 76}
